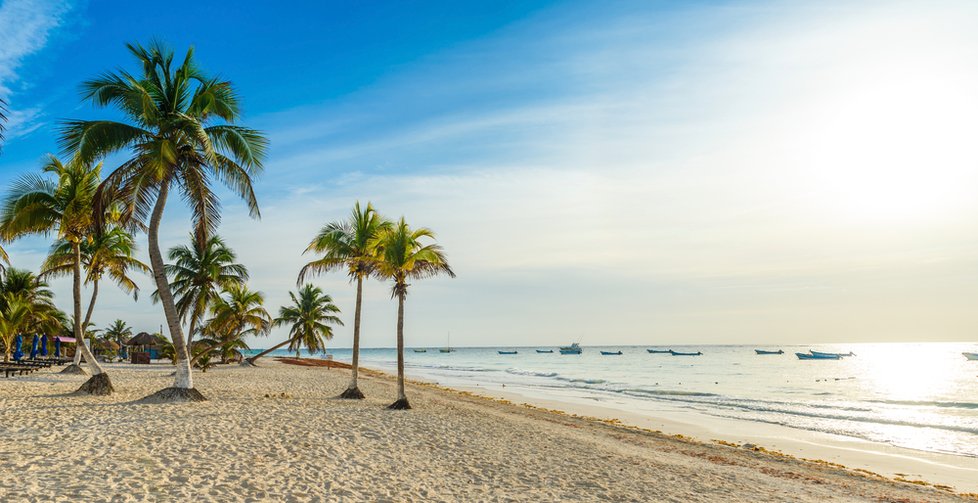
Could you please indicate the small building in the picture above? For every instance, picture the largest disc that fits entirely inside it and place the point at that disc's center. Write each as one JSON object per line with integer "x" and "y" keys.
{"x": 142, "y": 348}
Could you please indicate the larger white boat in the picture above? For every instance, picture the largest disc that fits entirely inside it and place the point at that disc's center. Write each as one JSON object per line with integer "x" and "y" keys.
{"x": 971, "y": 356}
{"x": 573, "y": 349}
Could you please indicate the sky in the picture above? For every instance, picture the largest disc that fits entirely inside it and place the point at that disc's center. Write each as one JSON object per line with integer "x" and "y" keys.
{"x": 611, "y": 172}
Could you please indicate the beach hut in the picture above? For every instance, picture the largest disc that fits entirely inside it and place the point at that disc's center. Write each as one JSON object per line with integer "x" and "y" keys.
{"x": 142, "y": 348}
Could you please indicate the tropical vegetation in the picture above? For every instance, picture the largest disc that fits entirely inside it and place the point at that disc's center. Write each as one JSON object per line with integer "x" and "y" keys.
{"x": 237, "y": 313}
{"x": 349, "y": 245}
{"x": 310, "y": 319}
{"x": 65, "y": 205}
{"x": 404, "y": 256}
{"x": 179, "y": 134}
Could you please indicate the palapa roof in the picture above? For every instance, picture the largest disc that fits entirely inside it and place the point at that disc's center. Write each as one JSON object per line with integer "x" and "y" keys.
{"x": 142, "y": 339}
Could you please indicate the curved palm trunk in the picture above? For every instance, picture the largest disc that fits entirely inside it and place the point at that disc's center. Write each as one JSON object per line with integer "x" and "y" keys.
{"x": 402, "y": 401}
{"x": 253, "y": 359}
{"x": 353, "y": 391}
{"x": 88, "y": 319}
{"x": 183, "y": 386}
{"x": 99, "y": 383}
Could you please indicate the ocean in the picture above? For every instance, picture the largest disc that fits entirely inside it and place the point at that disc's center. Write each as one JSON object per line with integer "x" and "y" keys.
{"x": 921, "y": 396}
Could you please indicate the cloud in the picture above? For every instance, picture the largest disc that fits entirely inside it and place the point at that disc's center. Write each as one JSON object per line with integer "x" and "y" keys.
{"x": 766, "y": 173}
{"x": 26, "y": 26}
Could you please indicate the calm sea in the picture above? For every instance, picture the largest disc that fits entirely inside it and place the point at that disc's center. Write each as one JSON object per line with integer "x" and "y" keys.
{"x": 920, "y": 396}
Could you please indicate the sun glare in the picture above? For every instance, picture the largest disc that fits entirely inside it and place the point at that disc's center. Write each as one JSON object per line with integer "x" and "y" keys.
{"x": 895, "y": 145}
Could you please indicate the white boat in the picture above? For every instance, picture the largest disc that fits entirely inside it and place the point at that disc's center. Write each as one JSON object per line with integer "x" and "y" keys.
{"x": 971, "y": 356}
{"x": 820, "y": 354}
{"x": 573, "y": 349}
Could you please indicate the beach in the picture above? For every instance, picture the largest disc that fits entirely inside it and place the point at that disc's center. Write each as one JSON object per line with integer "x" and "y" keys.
{"x": 276, "y": 433}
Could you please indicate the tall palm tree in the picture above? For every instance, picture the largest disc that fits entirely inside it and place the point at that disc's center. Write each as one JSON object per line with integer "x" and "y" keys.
{"x": 403, "y": 257}
{"x": 110, "y": 253}
{"x": 238, "y": 313}
{"x": 39, "y": 205}
{"x": 180, "y": 134}
{"x": 349, "y": 245}
{"x": 197, "y": 275}
{"x": 309, "y": 319}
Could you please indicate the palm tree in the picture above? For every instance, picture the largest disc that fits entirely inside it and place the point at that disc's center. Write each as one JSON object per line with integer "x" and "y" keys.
{"x": 349, "y": 245}
{"x": 119, "y": 332}
{"x": 108, "y": 253}
{"x": 181, "y": 134}
{"x": 26, "y": 302}
{"x": 403, "y": 257}
{"x": 237, "y": 314}
{"x": 198, "y": 274}
{"x": 38, "y": 205}
{"x": 309, "y": 319}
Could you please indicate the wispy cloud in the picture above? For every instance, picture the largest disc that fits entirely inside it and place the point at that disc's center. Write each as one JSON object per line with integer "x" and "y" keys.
{"x": 25, "y": 28}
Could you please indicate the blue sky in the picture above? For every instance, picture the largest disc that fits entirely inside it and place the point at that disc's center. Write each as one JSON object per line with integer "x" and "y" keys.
{"x": 625, "y": 172}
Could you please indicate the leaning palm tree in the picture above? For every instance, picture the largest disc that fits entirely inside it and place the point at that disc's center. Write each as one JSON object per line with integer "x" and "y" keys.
{"x": 404, "y": 257}
{"x": 105, "y": 254}
{"x": 197, "y": 275}
{"x": 309, "y": 319}
{"x": 180, "y": 135}
{"x": 39, "y": 205}
{"x": 349, "y": 245}
{"x": 238, "y": 313}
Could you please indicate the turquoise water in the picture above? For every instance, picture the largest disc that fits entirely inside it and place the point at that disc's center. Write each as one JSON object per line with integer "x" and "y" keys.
{"x": 920, "y": 396}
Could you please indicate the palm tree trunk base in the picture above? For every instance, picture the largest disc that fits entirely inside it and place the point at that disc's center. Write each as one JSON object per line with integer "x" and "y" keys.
{"x": 98, "y": 385}
{"x": 353, "y": 393}
{"x": 74, "y": 369}
{"x": 174, "y": 395}
{"x": 401, "y": 404}
{"x": 248, "y": 362}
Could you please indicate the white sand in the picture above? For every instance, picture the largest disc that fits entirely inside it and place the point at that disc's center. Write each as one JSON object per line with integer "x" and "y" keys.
{"x": 308, "y": 446}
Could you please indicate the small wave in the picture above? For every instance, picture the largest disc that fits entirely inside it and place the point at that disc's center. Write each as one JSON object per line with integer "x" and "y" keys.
{"x": 924, "y": 403}
{"x": 665, "y": 393}
{"x": 531, "y": 373}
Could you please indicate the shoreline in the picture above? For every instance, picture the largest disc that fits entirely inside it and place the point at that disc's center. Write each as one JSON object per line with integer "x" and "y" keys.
{"x": 277, "y": 432}
{"x": 858, "y": 455}
{"x": 899, "y": 464}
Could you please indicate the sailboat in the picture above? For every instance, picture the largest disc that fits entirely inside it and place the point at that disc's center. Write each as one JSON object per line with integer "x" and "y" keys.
{"x": 448, "y": 348}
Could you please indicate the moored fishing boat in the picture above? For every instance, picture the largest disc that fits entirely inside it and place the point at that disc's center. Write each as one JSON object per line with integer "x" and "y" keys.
{"x": 819, "y": 356}
{"x": 840, "y": 355}
{"x": 609, "y": 353}
{"x": 420, "y": 350}
{"x": 545, "y": 351}
{"x": 763, "y": 352}
{"x": 659, "y": 351}
{"x": 971, "y": 356}
{"x": 507, "y": 352}
{"x": 573, "y": 349}
{"x": 677, "y": 353}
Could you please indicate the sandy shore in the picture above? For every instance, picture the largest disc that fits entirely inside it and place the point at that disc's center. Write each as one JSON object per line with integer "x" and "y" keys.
{"x": 276, "y": 434}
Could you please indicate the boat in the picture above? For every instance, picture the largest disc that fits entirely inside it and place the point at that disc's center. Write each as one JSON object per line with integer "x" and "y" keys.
{"x": 662, "y": 351}
{"x": 840, "y": 355}
{"x": 971, "y": 356}
{"x": 448, "y": 348}
{"x": 676, "y": 353}
{"x": 545, "y": 351}
{"x": 507, "y": 352}
{"x": 819, "y": 356}
{"x": 420, "y": 350}
{"x": 573, "y": 349}
{"x": 609, "y": 353}
{"x": 763, "y": 352}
